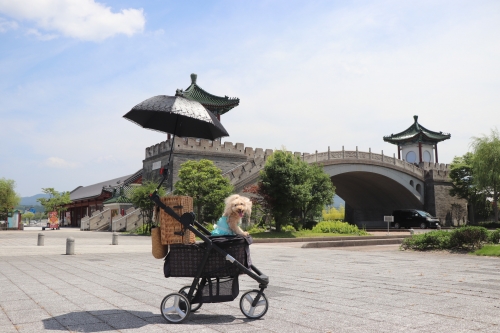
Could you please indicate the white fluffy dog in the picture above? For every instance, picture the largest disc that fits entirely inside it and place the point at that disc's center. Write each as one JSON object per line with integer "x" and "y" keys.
{"x": 236, "y": 207}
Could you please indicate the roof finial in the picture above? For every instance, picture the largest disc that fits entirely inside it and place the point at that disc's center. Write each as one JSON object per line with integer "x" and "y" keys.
{"x": 193, "y": 78}
{"x": 416, "y": 123}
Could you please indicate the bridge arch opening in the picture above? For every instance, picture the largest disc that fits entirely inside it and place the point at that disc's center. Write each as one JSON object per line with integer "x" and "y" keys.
{"x": 370, "y": 196}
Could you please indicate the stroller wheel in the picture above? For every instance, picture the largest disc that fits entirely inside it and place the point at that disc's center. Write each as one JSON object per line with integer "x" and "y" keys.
{"x": 175, "y": 308}
{"x": 184, "y": 291}
{"x": 253, "y": 312}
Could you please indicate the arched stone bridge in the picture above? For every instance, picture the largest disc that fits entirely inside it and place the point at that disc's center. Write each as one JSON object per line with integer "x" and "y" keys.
{"x": 372, "y": 184}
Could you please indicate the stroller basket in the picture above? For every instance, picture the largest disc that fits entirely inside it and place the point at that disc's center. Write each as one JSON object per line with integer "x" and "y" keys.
{"x": 184, "y": 260}
{"x": 217, "y": 262}
{"x": 217, "y": 290}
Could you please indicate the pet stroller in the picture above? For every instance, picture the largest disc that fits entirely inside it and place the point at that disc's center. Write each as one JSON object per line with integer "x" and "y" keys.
{"x": 215, "y": 265}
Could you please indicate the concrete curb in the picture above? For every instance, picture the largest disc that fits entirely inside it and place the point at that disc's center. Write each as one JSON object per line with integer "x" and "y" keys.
{"x": 325, "y": 239}
{"x": 344, "y": 243}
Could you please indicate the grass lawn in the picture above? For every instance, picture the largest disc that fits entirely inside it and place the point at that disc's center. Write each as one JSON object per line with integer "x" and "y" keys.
{"x": 488, "y": 250}
{"x": 296, "y": 234}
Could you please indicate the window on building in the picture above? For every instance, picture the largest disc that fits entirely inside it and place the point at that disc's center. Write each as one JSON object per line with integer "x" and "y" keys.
{"x": 411, "y": 157}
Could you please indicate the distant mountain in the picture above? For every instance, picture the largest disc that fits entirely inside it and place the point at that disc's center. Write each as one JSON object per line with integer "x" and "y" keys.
{"x": 31, "y": 201}
{"x": 338, "y": 201}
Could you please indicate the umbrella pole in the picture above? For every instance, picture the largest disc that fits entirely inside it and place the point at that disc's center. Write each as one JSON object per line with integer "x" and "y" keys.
{"x": 166, "y": 173}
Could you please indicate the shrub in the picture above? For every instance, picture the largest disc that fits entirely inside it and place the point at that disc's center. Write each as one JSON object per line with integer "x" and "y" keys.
{"x": 469, "y": 237}
{"x": 434, "y": 240}
{"x": 288, "y": 228}
{"x": 255, "y": 229}
{"x": 338, "y": 228}
{"x": 209, "y": 226}
{"x": 494, "y": 237}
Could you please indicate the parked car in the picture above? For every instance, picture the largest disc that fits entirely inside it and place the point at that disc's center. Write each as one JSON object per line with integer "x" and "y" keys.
{"x": 407, "y": 218}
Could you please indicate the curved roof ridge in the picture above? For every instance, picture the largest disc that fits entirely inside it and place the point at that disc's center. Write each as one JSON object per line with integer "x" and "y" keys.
{"x": 213, "y": 103}
{"x": 416, "y": 132}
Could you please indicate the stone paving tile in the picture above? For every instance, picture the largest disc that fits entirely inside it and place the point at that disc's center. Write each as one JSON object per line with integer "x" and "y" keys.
{"x": 14, "y": 296}
{"x": 336, "y": 290}
{"x": 19, "y": 305}
{"x": 27, "y": 316}
{"x": 123, "y": 320}
{"x": 42, "y": 326}
{"x": 8, "y": 328}
{"x": 77, "y": 318}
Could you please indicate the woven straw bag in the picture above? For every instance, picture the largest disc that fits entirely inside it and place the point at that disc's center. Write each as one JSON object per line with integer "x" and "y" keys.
{"x": 172, "y": 231}
{"x": 158, "y": 249}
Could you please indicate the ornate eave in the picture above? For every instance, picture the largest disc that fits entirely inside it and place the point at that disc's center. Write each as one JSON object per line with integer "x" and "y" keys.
{"x": 216, "y": 104}
{"x": 416, "y": 133}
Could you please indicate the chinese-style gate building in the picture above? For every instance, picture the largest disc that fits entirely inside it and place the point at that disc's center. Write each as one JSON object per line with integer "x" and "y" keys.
{"x": 417, "y": 144}
{"x": 85, "y": 200}
{"x": 216, "y": 104}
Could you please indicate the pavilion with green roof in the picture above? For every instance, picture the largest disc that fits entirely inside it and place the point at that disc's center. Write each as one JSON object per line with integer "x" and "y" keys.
{"x": 416, "y": 143}
{"x": 216, "y": 104}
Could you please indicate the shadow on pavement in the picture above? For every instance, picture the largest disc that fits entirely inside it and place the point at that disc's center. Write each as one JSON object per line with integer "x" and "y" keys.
{"x": 116, "y": 319}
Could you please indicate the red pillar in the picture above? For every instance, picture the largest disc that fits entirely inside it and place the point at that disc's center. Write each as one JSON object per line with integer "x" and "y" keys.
{"x": 420, "y": 151}
{"x": 436, "y": 152}
{"x": 168, "y": 136}
{"x": 218, "y": 117}
{"x": 399, "y": 152}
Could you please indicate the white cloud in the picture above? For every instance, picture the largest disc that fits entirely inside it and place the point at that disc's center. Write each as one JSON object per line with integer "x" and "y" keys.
{"x": 37, "y": 34}
{"x": 56, "y": 162}
{"x": 81, "y": 19}
{"x": 7, "y": 25}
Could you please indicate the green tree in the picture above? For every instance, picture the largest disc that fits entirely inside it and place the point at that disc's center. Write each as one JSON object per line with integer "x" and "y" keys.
{"x": 293, "y": 186}
{"x": 204, "y": 182}
{"x": 486, "y": 166}
{"x": 40, "y": 215}
{"x": 8, "y": 197}
{"x": 140, "y": 199}
{"x": 56, "y": 201}
{"x": 28, "y": 216}
{"x": 318, "y": 191}
{"x": 261, "y": 208}
{"x": 463, "y": 185}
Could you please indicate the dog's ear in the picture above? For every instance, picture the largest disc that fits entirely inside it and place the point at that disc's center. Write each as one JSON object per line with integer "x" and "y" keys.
{"x": 229, "y": 202}
{"x": 248, "y": 204}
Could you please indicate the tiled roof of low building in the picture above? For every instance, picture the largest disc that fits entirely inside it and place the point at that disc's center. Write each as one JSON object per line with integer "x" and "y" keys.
{"x": 416, "y": 133}
{"x": 95, "y": 190}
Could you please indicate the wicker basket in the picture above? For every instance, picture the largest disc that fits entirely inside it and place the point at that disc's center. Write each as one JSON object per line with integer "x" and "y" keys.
{"x": 158, "y": 249}
{"x": 171, "y": 229}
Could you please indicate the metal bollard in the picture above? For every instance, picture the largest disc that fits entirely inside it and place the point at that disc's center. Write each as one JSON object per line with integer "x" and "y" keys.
{"x": 41, "y": 239}
{"x": 115, "y": 239}
{"x": 70, "y": 246}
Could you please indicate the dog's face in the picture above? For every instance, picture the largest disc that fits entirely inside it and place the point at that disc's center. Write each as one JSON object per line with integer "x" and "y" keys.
{"x": 239, "y": 207}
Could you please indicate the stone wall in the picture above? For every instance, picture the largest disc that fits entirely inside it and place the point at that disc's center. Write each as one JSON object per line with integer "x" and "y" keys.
{"x": 235, "y": 161}
{"x": 242, "y": 165}
{"x": 438, "y": 199}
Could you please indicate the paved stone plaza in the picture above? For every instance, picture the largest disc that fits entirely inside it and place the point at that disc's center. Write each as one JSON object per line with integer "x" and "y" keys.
{"x": 106, "y": 288}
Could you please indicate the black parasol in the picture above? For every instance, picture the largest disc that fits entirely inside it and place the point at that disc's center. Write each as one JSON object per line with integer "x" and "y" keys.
{"x": 179, "y": 116}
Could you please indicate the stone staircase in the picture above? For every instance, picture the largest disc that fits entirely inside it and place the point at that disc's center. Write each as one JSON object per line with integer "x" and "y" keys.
{"x": 130, "y": 221}
{"x": 98, "y": 221}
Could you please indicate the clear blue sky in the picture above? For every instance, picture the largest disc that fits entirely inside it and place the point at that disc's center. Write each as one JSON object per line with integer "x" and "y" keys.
{"x": 310, "y": 74}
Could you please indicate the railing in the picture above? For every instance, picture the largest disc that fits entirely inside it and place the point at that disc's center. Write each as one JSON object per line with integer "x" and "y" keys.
{"x": 96, "y": 221}
{"x": 360, "y": 155}
{"x": 128, "y": 221}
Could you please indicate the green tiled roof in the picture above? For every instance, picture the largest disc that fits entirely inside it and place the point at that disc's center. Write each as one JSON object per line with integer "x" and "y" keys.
{"x": 416, "y": 133}
{"x": 216, "y": 104}
{"x": 121, "y": 192}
